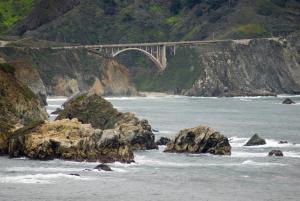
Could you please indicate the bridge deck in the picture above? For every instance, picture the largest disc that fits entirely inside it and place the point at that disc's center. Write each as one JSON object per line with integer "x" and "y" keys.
{"x": 153, "y": 44}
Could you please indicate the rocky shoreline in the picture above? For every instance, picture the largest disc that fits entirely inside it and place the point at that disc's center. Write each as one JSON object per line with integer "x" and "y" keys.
{"x": 89, "y": 128}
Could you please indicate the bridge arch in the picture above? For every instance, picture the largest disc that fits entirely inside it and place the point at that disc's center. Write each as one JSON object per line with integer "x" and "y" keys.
{"x": 155, "y": 60}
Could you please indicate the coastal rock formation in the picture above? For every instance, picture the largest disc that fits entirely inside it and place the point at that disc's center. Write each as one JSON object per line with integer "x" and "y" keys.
{"x": 70, "y": 140}
{"x": 67, "y": 72}
{"x": 288, "y": 101}
{"x": 163, "y": 141}
{"x": 30, "y": 77}
{"x": 275, "y": 153}
{"x": 102, "y": 167}
{"x": 201, "y": 139}
{"x": 93, "y": 109}
{"x": 255, "y": 140}
{"x": 19, "y": 106}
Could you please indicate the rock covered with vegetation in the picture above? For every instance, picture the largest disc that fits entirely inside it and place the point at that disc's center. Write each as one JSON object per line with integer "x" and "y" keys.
{"x": 69, "y": 140}
{"x": 19, "y": 106}
{"x": 201, "y": 139}
{"x": 93, "y": 109}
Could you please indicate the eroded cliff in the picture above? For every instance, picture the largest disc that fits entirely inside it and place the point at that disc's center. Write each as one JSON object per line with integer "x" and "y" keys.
{"x": 66, "y": 72}
{"x": 230, "y": 68}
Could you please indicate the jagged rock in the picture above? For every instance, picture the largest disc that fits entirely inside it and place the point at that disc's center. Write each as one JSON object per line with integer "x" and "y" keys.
{"x": 93, "y": 109}
{"x": 103, "y": 167}
{"x": 283, "y": 142}
{"x": 19, "y": 106}
{"x": 201, "y": 139}
{"x": 163, "y": 141}
{"x": 255, "y": 140}
{"x": 288, "y": 101}
{"x": 70, "y": 140}
{"x": 275, "y": 153}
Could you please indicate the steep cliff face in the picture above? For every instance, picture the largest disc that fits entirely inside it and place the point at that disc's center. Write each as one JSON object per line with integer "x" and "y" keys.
{"x": 18, "y": 105}
{"x": 30, "y": 77}
{"x": 241, "y": 67}
{"x": 66, "y": 72}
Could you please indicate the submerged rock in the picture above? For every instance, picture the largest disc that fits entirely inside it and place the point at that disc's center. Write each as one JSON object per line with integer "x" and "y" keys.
{"x": 275, "y": 153}
{"x": 75, "y": 174}
{"x": 255, "y": 140}
{"x": 95, "y": 110}
{"x": 70, "y": 140}
{"x": 103, "y": 167}
{"x": 163, "y": 141}
{"x": 201, "y": 139}
{"x": 283, "y": 142}
{"x": 288, "y": 101}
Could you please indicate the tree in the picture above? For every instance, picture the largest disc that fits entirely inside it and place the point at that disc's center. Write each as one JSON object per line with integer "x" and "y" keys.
{"x": 191, "y": 3}
{"x": 175, "y": 7}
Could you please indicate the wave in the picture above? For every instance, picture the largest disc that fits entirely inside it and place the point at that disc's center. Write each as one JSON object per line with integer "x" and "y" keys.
{"x": 241, "y": 141}
{"x": 141, "y": 161}
{"x": 38, "y": 178}
{"x": 288, "y": 96}
{"x": 42, "y": 169}
{"x": 253, "y": 163}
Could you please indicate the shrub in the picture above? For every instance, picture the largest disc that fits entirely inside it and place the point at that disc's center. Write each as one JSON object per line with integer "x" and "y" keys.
{"x": 7, "y": 68}
{"x": 175, "y": 7}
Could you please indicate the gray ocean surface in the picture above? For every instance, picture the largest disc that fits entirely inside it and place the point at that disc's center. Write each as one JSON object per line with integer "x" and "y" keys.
{"x": 248, "y": 174}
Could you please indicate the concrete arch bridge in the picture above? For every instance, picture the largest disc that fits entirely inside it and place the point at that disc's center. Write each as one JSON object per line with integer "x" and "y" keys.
{"x": 155, "y": 51}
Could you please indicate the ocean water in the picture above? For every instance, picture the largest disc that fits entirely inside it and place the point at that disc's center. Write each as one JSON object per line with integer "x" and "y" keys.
{"x": 248, "y": 174}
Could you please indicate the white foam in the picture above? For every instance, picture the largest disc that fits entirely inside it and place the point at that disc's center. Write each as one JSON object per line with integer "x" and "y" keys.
{"x": 247, "y": 154}
{"x": 42, "y": 169}
{"x": 291, "y": 154}
{"x": 253, "y": 163}
{"x": 241, "y": 141}
{"x": 165, "y": 132}
{"x": 142, "y": 161}
{"x": 38, "y": 178}
{"x": 288, "y": 96}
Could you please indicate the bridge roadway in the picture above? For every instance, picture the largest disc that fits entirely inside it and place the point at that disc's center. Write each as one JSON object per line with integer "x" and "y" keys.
{"x": 155, "y": 51}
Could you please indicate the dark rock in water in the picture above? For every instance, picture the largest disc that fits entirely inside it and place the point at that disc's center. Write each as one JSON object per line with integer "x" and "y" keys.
{"x": 201, "y": 139}
{"x": 75, "y": 174}
{"x": 163, "y": 141}
{"x": 154, "y": 130}
{"x": 275, "y": 153}
{"x": 283, "y": 142}
{"x": 95, "y": 110}
{"x": 255, "y": 140}
{"x": 103, "y": 167}
{"x": 57, "y": 111}
{"x": 288, "y": 101}
{"x": 86, "y": 169}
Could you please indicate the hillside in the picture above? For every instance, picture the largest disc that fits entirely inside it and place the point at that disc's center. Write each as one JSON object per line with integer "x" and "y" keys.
{"x": 211, "y": 70}
{"x": 114, "y": 21}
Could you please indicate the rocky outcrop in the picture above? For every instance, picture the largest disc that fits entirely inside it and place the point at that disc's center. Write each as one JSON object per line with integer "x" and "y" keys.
{"x": 93, "y": 109}
{"x": 30, "y": 77}
{"x": 67, "y": 72}
{"x": 288, "y": 101}
{"x": 163, "y": 141}
{"x": 103, "y": 167}
{"x": 248, "y": 67}
{"x": 19, "y": 106}
{"x": 275, "y": 153}
{"x": 70, "y": 140}
{"x": 201, "y": 139}
{"x": 255, "y": 140}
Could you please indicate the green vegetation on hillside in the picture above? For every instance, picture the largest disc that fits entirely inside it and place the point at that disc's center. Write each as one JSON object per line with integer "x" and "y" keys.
{"x": 12, "y": 11}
